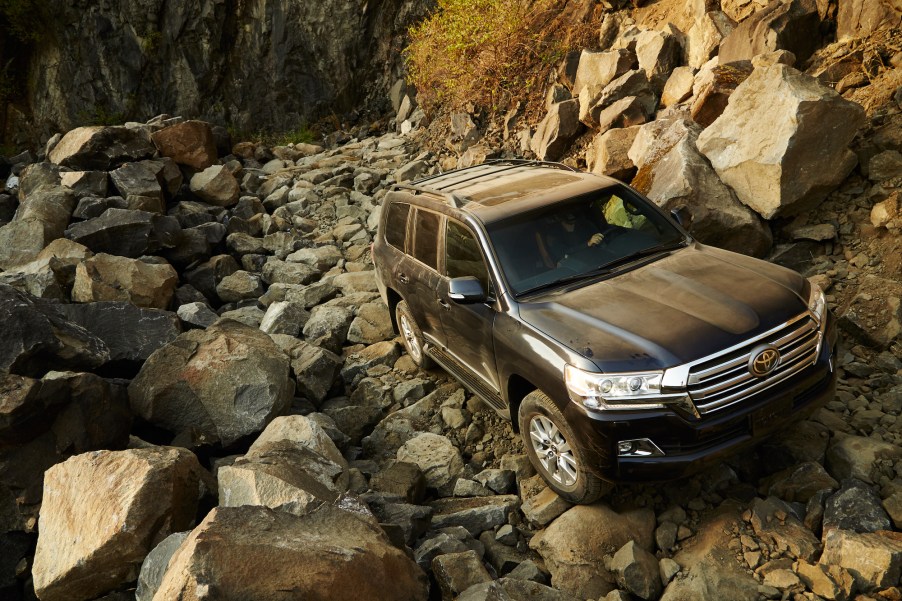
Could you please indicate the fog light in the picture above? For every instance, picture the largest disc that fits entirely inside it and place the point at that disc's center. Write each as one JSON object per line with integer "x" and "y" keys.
{"x": 640, "y": 447}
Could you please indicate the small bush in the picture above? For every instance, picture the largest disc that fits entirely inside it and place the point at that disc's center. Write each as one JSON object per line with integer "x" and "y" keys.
{"x": 492, "y": 53}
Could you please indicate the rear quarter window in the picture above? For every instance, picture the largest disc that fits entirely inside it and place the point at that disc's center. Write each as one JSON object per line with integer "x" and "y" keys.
{"x": 396, "y": 224}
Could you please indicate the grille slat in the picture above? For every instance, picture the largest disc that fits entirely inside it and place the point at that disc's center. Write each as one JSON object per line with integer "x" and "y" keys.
{"x": 724, "y": 379}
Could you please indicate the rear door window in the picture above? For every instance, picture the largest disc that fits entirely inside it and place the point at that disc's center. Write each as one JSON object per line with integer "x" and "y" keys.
{"x": 396, "y": 224}
{"x": 425, "y": 237}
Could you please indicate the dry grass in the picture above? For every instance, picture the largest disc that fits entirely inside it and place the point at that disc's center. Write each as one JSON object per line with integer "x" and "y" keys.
{"x": 491, "y": 54}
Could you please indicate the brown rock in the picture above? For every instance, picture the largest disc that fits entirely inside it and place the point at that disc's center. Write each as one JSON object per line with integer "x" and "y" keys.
{"x": 248, "y": 552}
{"x": 714, "y": 91}
{"x": 874, "y": 559}
{"x": 188, "y": 143}
{"x": 110, "y": 278}
{"x": 103, "y": 512}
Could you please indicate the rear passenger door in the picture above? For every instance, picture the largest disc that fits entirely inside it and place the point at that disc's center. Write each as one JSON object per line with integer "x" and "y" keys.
{"x": 418, "y": 274}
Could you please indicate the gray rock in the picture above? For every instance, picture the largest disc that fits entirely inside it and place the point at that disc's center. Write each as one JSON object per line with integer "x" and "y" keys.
{"x": 106, "y": 277}
{"x": 791, "y": 26}
{"x": 545, "y": 507}
{"x": 284, "y": 317}
{"x": 37, "y": 337}
{"x": 501, "y": 481}
{"x": 855, "y": 508}
{"x": 402, "y": 479}
{"x": 609, "y": 153}
{"x": 436, "y": 545}
{"x": 456, "y": 572}
{"x": 501, "y": 556}
{"x": 475, "y": 514}
{"x": 100, "y": 148}
{"x": 222, "y": 383}
{"x": 238, "y": 286}
{"x": 126, "y": 233}
{"x": 763, "y": 129}
{"x": 659, "y": 53}
{"x": 436, "y": 456}
{"x": 598, "y": 69}
{"x": 358, "y": 363}
{"x": 155, "y": 565}
{"x": 637, "y": 571}
{"x": 666, "y": 535}
{"x": 866, "y": 316}
{"x": 855, "y": 456}
{"x": 800, "y": 483}
{"x": 514, "y": 589}
{"x": 131, "y": 333}
{"x": 197, "y": 314}
{"x": 137, "y": 183}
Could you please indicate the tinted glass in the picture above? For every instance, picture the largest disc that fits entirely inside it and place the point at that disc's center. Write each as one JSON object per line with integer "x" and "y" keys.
{"x": 396, "y": 224}
{"x": 584, "y": 237}
{"x": 462, "y": 256}
{"x": 425, "y": 236}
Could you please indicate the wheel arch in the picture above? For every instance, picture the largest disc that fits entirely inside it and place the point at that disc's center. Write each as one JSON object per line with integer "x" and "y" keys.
{"x": 393, "y": 299}
{"x": 517, "y": 389}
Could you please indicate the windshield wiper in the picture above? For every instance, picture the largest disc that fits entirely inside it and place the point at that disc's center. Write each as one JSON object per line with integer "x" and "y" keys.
{"x": 630, "y": 258}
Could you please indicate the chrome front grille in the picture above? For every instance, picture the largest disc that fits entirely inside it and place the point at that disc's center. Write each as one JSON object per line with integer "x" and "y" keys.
{"x": 718, "y": 381}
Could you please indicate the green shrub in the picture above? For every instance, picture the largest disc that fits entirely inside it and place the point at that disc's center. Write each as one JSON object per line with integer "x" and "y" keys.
{"x": 492, "y": 53}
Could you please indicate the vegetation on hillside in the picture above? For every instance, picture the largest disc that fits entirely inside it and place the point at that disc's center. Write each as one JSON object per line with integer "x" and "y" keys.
{"x": 493, "y": 53}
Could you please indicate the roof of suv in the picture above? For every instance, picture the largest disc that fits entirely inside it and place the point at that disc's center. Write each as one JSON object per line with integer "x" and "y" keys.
{"x": 490, "y": 190}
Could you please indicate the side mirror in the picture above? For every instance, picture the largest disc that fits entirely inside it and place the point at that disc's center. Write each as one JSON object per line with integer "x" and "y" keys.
{"x": 683, "y": 216}
{"x": 466, "y": 290}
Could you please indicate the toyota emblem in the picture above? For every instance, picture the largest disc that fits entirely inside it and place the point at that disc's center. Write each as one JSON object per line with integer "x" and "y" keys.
{"x": 763, "y": 360}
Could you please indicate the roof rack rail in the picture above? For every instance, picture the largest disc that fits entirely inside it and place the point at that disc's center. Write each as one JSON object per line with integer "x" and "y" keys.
{"x": 455, "y": 200}
{"x": 531, "y": 162}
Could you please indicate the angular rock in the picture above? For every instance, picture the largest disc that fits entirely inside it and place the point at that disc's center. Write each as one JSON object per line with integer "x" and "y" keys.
{"x": 358, "y": 363}
{"x": 303, "y": 432}
{"x": 137, "y": 183}
{"x": 130, "y": 332}
{"x": 513, "y": 589}
{"x": 764, "y": 135}
{"x": 284, "y": 317}
{"x": 197, "y": 314}
{"x": 637, "y": 571}
{"x": 545, "y": 507}
{"x": 659, "y": 53}
{"x": 713, "y": 88}
{"x": 772, "y": 521}
{"x": 800, "y": 483}
{"x": 281, "y": 475}
{"x": 328, "y": 550}
{"x": 101, "y": 513}
{"x": 222, "y": 383}
{"x": 371, "y": 324}
{"x": 678, "y": 86}
{"x": 830, "y": 582}
{"x": 435, "y": 455}
{"x": 855, "y": 508}
{"x": 100, "y": 148}
{"x": 188, "y": 143}
{"x": 679, "y": 176}
{"x": 503, "y": 557}
{"x": 873, "y": 559}
{"x": 859, "y": 18}
{"x": 873, "y": 315}
{"x": 855, "y": 456}
{"x": 476, "y": 514}
{"x": 106, "y": 277}
{"x": 792, "y": 25}
{"x": 556, "y": 131}
{"x": 36, "y": 337}
{"x": 704, "y": 38}
{"x": 456, "y": 572}
{"x": 216, "y": 185}
{"x": 573, "y": 546}
{"x": 598, "y": 69}
{"x": 155, "y": 565}
{"x": 41, "y": 218}
{"x": 126, "y": 233}
{"x": 608, "y": 153}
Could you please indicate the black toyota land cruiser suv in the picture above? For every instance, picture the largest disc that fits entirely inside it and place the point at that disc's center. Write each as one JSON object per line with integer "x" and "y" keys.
{"x": 619, "y": 347}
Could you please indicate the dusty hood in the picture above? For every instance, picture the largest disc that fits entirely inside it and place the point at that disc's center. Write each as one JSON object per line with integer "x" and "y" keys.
{"x": 695, "y": 302}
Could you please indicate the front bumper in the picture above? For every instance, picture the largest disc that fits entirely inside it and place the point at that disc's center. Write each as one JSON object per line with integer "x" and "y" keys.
{"x": 690, "y": 444}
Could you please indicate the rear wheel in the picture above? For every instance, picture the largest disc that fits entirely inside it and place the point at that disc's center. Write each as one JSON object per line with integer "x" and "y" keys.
{"x": 411, "y": 336}
{"x": 551, "y": 447}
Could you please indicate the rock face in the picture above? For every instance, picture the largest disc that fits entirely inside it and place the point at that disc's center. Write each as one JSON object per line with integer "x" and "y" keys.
{"x": 330, "y": 553}
{"x": 791, "y": 25}
{"x": 222, "y": 383}
{"x": 771, "y": 144}
{"x": 104, "y": 511}
{"x": 213, "y": 61}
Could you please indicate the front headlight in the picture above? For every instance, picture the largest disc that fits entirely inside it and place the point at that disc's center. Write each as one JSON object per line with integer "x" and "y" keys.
{"x": 641, "y": 390}
{"x": 817, "y": 304}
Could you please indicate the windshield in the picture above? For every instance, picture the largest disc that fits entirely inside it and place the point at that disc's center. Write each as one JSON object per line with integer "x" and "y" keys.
{"x": 587, "y": 236}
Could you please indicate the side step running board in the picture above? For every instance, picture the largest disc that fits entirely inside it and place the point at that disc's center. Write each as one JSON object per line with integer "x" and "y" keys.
{"x": 472, "y": 383}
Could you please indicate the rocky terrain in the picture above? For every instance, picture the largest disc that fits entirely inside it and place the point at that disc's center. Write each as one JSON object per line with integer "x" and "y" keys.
{"x": 202, "y": 396}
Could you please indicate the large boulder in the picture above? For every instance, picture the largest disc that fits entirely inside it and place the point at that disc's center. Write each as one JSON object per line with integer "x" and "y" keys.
{"x": 680, "y": 176}
{"x": 106, "y": 277}
{"x": 216, "y": 185}
{"x": 598, "y": 69}
{"x": 874, "y": 558}
{"x": 557, "y": 130}
{"x": 137, "y": 183}
{"x": 329, "y": 553}
{"x": 219, "y": 384}
{"x": 103, "y": 512}
{"x": 126, "y": 233}
{"x": 792, "y": 25}
{"x": 36, "y": 337}
{"x": 189, "y": 143}
{"x": 782, "y": 142}
{"x": 101, "y": 148}
{"x": 131, "y": 333}
{"x": 52, "y": 272}
{"x": 860, "y": 18}
{"x": 42, "y": 217}
{"x": 574, "y": 546}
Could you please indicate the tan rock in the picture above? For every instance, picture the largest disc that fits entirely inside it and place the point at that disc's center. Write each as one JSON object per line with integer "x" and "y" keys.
{"x": 188, "y": 143}
{"x": 874, "y": 559}
{"x": 256, "y": 553}
{"x": 106, "y": 277}
{"x": 72, "y": 143}
{"x": 103, "y": 511}
{"x": 216, "y": 185}
{"x": 303, "y": 432}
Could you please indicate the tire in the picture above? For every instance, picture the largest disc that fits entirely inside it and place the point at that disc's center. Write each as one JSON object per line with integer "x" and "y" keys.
{"x": 549, "y": 443}
{"x": 411, "y": 336}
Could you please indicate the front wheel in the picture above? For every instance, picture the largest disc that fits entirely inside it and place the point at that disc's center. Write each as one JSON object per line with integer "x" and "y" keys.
{"x": 411, "y": 336}
{"x": 551, "y": 447}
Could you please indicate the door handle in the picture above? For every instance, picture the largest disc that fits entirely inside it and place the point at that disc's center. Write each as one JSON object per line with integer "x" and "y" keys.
{"x": 404, "y": 279}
